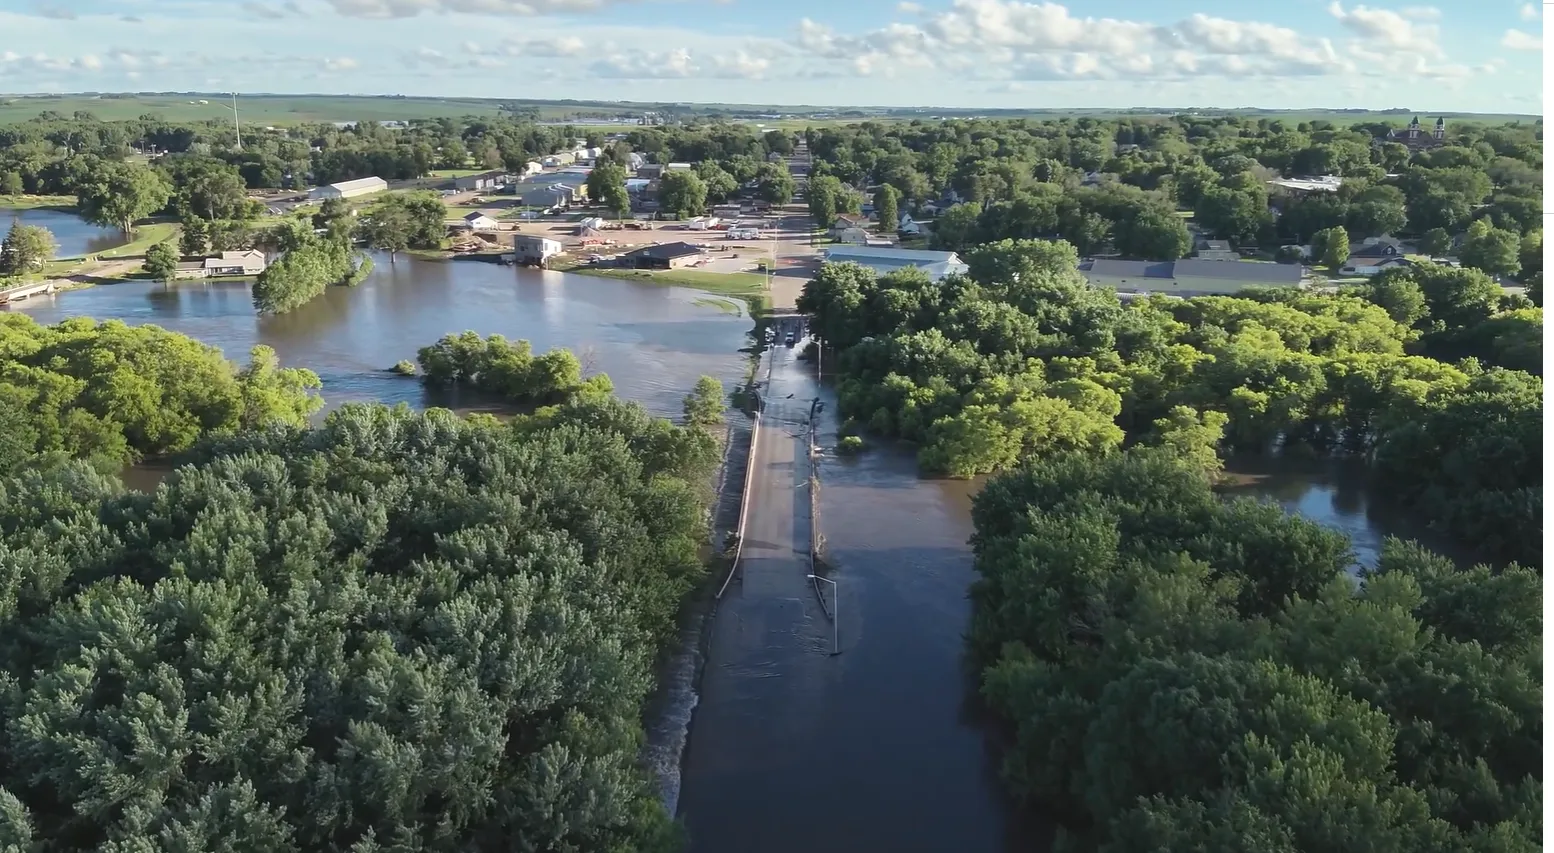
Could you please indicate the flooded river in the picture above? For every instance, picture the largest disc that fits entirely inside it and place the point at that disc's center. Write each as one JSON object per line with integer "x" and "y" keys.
{"x": 76, "y": 237}
{"x": 790, "y": 748}
{"x": 653, "y": 341}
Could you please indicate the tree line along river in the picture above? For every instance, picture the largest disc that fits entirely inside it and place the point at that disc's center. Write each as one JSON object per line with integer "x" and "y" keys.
{"x": 899, "y": 758}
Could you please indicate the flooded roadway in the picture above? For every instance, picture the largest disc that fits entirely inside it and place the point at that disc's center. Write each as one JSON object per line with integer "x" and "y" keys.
{"x": 792, "y": 748}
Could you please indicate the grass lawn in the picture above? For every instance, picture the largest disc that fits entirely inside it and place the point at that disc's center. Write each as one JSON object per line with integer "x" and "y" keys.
{"x": 729, "y": 283}
{"x": 456, "y": 173}
{"x": 146, "y": 236}
{"x": 33, "y": 202}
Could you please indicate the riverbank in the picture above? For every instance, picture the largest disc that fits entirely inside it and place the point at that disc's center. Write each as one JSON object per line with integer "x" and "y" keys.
{"x": 749, "y": 287}
{"x": 63, "y": 203}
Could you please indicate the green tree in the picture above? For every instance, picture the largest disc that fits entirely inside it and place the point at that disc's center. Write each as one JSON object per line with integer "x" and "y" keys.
{"x": 1494, "y": 250}
{"x": 1435, "y": 242}
{"x": 1530, "y": 256}
{"x": 704, "y": 405}
{"x": 682, "y": 193}
{"x": 956, "y": 228}
{"x": 119, "y": 194}
{"x": 885, "y": 199}
{"x": 1330, "y": 247}
{"x": 161, "y": 262}
{"x": 720, "y": 184}
{"x": 822, "y": 198}
{"x": 26, "y": 249}
{"x": 1152, "y": 233}
{"x": 11, "y": 183}
{"x": 607, "y": 186}
{"x": 194, "y": 242}
{"x": 774, "y": 183}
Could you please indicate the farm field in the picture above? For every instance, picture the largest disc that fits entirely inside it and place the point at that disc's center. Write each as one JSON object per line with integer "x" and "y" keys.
{"x": 297, "y": 109}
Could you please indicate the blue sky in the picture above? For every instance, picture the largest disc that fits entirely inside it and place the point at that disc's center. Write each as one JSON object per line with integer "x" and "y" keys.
{"x": 1452, "y": 55}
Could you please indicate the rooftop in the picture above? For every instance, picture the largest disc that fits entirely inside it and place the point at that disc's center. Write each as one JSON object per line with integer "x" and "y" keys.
{"x": 871, "y": 254}
{"x": 664, "y": 251}
{"x": 1197, "y": 268}
{"x": 359, "y": 182}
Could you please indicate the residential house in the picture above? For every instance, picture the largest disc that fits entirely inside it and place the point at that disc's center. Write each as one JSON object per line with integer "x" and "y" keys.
{"x": 348, "y": 189}
{"x": 887, "y": 260}
{"x": 1216, "y": 250}
{"x": 478, "y": 221}
{"x": 856, "y": 235}
{"x": 650, "y": 171}
{"x": 665, "y": 256}
{"x": 534, "y": 249}
{"x": 845, "y": 221}
{"x": 1363, "y": 265}
{"x": 247, "y": 263}
{"x": 1189, "y": 276}
{"x": 483, "y": 181}
{"x": 908, "y": 225}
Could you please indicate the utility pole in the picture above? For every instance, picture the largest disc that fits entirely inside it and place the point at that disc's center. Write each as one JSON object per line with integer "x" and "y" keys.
{"x": 235, "y": 128}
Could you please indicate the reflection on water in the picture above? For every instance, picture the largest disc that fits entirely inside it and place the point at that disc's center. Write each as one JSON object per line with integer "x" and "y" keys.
{"x": 76, "y": 237}
{"x": 653, "y": 341}
{"x": 1338, "y": 494}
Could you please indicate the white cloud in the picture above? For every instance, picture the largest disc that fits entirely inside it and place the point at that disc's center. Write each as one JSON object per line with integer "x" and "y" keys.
{"x": 412, "y": 8}
{"x": 1518, "y": 40}
{"x": 679, "y": 64}
{"x": 908, "y": 8}
{"x": 1388, "y": 31}
{"x": 343, "y": 63}
{"x": 646, "y": 65}
{"x": 1529, "y": 12}
{"x": 1043, "y": 27}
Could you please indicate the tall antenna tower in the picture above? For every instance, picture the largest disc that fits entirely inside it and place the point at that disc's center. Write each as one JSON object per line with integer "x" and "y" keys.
{"x": 235, "y": 128}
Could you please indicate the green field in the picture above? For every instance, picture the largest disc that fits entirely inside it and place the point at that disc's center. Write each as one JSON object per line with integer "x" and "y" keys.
{"x": 295, "y": 109}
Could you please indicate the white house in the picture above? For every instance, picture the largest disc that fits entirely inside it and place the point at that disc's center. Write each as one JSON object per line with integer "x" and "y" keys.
{"x": 349, "y": 189}
{"x": 936, "y": 264}
{"x": 478, "y": 221}
{"x": 534, "y": 249}
{"x": 249, "y": 262}
{"x": 908, "y": 225}
{"x": 852, "y": 234}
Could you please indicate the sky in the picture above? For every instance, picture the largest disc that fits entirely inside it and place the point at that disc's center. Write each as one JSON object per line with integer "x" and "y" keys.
{"x": 1451, "y": 56}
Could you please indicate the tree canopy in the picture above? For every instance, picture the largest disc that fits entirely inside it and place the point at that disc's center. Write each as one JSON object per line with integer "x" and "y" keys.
{"x": 398, "y": 631}
{"x": 1187, "y": 673}
{"x": 111, "y": 393}
{"x": 1021, "y": 357}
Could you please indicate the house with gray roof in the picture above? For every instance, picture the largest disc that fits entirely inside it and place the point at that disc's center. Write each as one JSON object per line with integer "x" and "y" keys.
{"x": 1189, "y": 276}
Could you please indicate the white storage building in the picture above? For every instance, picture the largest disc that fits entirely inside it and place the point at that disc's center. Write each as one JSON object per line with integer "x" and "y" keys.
{"x": 936, "y": 264}
{"x": 349, "y": 189}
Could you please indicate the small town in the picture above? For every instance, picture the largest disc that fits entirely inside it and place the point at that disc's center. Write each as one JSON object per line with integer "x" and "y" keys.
{"x": 966, "y": 426}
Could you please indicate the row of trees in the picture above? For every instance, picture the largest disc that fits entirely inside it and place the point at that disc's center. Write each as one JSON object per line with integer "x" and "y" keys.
{"x": 1184, "y": 673}
{"x": 1117, "y": 184}
{"x": 1020, "y": 357}
{"x": 111, "y": 393}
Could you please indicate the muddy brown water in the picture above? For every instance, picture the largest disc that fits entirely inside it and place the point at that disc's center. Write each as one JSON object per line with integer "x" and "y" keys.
{"x": 789, "y": 748}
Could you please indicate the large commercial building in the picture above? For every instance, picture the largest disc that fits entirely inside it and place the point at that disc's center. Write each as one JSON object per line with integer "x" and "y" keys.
{"x": 886, "y": 260}
{"x": 349, "y": 189}
{"x": 1189, "y": 276}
